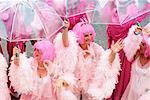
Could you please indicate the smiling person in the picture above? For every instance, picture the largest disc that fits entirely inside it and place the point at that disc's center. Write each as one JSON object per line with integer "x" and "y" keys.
{"x": 91, "y": 65}
{"x": 32, "y": 77}
{"x": 139, "y": 54}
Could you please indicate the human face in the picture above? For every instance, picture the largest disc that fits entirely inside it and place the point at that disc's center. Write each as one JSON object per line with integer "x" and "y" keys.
{"x": 142, "y": 48}
{"x": 88, "y": 38}
{"x": 37, "y": 54}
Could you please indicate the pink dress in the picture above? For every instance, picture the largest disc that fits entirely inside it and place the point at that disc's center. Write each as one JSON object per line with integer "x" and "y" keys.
{"x": 29, "y": 84}
{"x": 139, "y": 85}
{"x": 82, "y": 70}
{"x": 4, "y": 91}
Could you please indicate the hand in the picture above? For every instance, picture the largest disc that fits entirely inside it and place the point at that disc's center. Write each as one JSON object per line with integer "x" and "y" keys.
{"x": 61, "y": 83}
{"x": 116, "y": 47}
{"x": 146, "y": 31}
{"x": 66, "y": 24}
{"x": 16, "y": 52}
{"x": 47, "y": 63}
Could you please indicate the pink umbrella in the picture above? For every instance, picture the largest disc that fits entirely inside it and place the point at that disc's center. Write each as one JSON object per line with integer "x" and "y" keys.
{"x": 28, "y": 20}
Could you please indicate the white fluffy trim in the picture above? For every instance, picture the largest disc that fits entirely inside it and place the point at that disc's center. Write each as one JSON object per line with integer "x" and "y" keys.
{"x": 66, "y": 57}
{"x": 67, "y": 95}
{"x": 21, "y": 76}
{"x": 145, "y": 96}
{"x": 4, "y": 91}
{"x": 132, "y": 43}
{"x": 69, "y": 78}
{"x": 106, "y": 77}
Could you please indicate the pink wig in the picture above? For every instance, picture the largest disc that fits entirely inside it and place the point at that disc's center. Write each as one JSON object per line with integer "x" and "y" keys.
{"x": 81, "y": 29}
{"x": 47, "y": 49}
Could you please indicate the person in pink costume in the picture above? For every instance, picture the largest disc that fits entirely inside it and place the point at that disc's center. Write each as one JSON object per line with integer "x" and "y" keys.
{"x": 4, "y": 91}
{"x": 137, "y": 50}
{"x": 37, "y": 77}
{"x": 32, "y": 77}
{"x": 86, "y": 60}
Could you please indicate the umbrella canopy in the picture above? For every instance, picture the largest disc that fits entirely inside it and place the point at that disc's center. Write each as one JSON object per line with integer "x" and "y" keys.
{"x": 69, "y": 8}
{"x": 24, "y": 20}
{"x": 118, "y": 11}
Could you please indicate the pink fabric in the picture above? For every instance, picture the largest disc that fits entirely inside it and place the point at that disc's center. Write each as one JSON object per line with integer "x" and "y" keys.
{"x": 116, "y": 32}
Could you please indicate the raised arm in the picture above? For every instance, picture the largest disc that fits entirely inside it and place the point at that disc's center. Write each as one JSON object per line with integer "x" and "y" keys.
{"x": 16, "y": 56}
{"x": 115, "y": 48}
{"x": 132, "y": 42}
{"x": 20, "y": 72}
{"x": 65, "y": 33}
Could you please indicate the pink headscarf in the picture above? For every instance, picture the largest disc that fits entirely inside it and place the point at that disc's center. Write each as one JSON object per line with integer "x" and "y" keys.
{"x": 47, "y": 49}
{"x": 83, "y": 28}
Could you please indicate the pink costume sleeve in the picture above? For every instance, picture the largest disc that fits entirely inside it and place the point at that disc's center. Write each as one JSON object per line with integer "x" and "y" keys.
{"x": 4, "y": 91}
{"x": 21, "y": 76}
{"x": 106, "y": 76}
{"x": 66, "y": 59}
{"x": 132, "y": 43}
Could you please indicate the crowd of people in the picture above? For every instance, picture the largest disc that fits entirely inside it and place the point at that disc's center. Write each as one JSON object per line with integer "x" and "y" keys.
{"x": 74, "y": 67}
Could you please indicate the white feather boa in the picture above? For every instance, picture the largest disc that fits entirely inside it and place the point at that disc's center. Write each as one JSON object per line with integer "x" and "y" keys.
{"x": 132, "y": 43}
{"x": 4, "y": 91}
{"x": 21, "y": 76}
{"x": 66, "y": 57}
{"x": 65, "y": 63}
{"x": 106, "y": 77}
{"x": 66, "y": 95}
{"x": 145, "y": 96}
